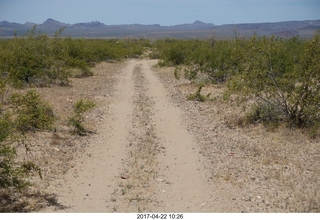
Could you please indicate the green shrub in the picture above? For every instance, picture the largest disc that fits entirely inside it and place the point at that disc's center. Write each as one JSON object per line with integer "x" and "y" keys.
{"x": 76, "y": 121}
{"x": 176, "y": 72}
{"x": 173, "y": 52}
{"x": 12, "y": 174}
{"x": 208, "y": 60}
{"x": 31, "y": 112}
{"x": 197, "y": 95}
{"x": 35, "y": 59}
{"x": 281, "y": 75}
{"x": 6, "y": 127}
{"x": 284, "y": 75}
{"x": 41, "y": 60}
{"x": 2, "y": 91}
{"x": 265, "y": 113}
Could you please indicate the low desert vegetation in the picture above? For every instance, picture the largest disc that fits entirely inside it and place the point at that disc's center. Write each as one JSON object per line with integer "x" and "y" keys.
{"x": 268, "y": 81}
{"x": 278, "y": 80}
{"x": 38, "y": 60}
{"x": 25, "y": 113}
{"x": 31, "y": 112}
{"x": 76, "y": 120}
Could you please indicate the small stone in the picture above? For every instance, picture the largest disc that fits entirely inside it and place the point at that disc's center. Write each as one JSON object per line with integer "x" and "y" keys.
{"x": 125, "y": 176}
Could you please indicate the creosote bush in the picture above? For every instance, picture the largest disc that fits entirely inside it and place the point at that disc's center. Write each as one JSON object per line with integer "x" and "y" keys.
{"x": 31, "y": 112}
{"x": 282, "y": 76}
{"x": 34, "y": 59}
{"x": 264, "y": 113}
{"x": 27, "y": 113}
{"x": 40, "y": 60}
{"x": 13, "y": 175}
{"x": 76, "y": 121}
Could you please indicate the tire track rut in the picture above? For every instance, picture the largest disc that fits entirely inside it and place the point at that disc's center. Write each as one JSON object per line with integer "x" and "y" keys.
{"x": 163, "y": 171}
{"x": 142, "y": 159}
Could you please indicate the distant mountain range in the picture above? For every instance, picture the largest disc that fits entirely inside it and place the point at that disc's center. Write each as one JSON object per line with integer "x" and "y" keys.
{"x": 198, "y": 29}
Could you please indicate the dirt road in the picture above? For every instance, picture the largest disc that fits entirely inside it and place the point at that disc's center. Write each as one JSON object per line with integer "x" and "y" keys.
{"x": 153, "y": 151}
{"x": 142, "y": 158}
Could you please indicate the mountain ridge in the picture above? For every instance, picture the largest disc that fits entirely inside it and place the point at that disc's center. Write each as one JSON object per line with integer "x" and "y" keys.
{"x": 197, "y": 29}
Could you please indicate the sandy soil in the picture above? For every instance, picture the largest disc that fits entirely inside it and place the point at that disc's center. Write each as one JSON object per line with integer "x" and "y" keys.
{"x": 151, "y": 150}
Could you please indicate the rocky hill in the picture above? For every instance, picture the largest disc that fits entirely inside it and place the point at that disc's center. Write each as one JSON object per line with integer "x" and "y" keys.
{"x": 198, "y": 29}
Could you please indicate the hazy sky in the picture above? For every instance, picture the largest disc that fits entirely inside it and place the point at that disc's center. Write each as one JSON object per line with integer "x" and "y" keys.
{"x": 163, "y": 12}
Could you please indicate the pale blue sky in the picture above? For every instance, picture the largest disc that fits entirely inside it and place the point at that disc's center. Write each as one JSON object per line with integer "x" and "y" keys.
{"x": 163, "y": 12}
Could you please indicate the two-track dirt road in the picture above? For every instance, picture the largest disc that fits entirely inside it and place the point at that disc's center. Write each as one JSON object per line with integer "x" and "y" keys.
{"x": 142, "y": 158}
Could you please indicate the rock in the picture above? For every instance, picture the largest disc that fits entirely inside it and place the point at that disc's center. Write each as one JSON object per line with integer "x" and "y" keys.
{"x": 125, "y": 176}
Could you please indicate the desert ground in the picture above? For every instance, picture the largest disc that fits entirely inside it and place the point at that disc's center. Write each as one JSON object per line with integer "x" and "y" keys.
{"x": 149, "y": 149}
